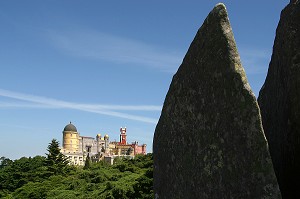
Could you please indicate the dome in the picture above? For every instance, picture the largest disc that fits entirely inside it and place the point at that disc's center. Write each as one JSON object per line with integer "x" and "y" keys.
{"x": 70, "y": 127}
{"x": 106, "y": 136}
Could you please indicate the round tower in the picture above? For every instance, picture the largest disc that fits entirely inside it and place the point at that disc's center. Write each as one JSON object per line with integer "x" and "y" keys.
{"x": 70, "y": 138}
{"x": 106, "y": 142}
{"x": 99, "y": 144}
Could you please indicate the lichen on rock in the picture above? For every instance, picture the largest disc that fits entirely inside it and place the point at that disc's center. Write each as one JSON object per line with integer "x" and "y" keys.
{"x": 209, "y": 141}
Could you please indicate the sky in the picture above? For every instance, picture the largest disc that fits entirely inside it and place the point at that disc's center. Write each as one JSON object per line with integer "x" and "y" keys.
{"x": 107, "y": 64}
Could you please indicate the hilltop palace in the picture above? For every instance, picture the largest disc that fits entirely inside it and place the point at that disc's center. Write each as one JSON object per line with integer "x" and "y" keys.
{"x": 77, "y": 147}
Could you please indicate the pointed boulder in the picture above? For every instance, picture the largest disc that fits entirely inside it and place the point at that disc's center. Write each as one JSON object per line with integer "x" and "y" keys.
{"x": 279, "y": 101}
{"x": 209, "y": 141}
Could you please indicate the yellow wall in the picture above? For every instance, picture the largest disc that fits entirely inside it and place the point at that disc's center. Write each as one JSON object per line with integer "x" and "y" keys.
{"x": 70, "y": 140}
{"x": 121, "y": 149}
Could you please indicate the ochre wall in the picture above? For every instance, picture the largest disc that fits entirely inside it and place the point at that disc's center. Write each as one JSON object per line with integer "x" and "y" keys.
{"x": 70, "y": 141}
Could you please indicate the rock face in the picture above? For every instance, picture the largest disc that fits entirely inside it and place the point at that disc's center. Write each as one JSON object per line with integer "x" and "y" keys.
{"x": 279, "y": 100}
{"x": 209, "y": 141}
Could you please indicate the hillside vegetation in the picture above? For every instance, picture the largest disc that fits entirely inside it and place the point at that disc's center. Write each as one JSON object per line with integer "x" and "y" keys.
{"x": 35, "y": 178}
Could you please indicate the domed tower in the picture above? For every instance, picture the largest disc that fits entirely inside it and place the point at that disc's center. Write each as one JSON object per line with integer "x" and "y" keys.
{"x": 106, "y": 143}
{"x": 70, "y": 138}
{"x": 99, "y": 143}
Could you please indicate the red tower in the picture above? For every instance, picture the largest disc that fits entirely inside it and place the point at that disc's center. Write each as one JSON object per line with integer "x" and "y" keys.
{"x": 123, "y": 136}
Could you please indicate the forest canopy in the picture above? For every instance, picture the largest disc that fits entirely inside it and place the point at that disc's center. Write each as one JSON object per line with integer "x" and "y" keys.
{"x": 41, "y": 177}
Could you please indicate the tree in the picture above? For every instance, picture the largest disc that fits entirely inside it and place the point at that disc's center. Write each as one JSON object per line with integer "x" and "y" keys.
{"x": 5, "y": 162}
{"x": 87, "y": 163}
{"x": 55, "y": 160}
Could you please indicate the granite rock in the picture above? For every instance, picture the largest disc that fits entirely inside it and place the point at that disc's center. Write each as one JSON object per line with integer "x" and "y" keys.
{"x": 279, "y": 101}
{"x": 209, "y": 141}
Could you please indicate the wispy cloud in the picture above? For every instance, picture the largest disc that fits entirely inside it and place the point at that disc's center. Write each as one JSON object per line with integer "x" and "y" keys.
{"x": 96, "y": 45}
{"x": 24, "y": 105}
{"x": 24, "y": 127}
{"x": 90, "y": 44}
{"x": 43, "y": 102}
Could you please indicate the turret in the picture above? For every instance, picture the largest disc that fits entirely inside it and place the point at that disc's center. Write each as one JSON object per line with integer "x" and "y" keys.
{"x": 106, "y": 142}
{"x": 123, "y": 136}
{"x": 98, "y": 140}
{"x": 70, "y": 138}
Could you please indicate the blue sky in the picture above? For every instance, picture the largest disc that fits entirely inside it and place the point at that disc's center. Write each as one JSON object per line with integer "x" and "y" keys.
{"x": 107, "y": 64}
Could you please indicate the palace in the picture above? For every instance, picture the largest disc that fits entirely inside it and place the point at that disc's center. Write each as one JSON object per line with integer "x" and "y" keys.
{"x": 77, "y": 148}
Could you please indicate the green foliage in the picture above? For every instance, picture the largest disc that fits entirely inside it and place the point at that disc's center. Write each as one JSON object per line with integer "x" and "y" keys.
{"x": 87, "y": 163}
{"x": 30, "y": 178}
{"x": 144, "y": 187}
{"x": 5, "y": 162}
{"x": 55, "y": 161}
{"x": 20, "y": 172}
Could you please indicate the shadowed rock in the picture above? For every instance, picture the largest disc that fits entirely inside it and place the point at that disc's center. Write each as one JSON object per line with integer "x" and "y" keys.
{"x": 209, "y": 141}
{"x": 279, "y": 100}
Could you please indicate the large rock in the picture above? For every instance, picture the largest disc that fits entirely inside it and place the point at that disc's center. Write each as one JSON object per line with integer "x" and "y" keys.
{"x": 279, "y": 100}
{"x": 209, "y": 141}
